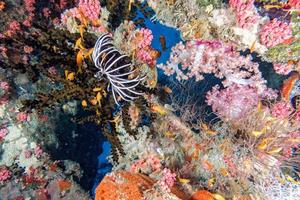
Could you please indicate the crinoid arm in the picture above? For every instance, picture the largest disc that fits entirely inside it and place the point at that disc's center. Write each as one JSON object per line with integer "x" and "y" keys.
{"x": 115, "y": 67}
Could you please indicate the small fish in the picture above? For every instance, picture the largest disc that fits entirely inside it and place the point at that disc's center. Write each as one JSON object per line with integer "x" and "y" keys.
{"x": 97, "y": 89}
{"x": 207, "y": 165}
{"x": 167, "y": 90}
{"x": 89, "y": 53}
{"x": 290, "y": 89}
{"x": 289, "y": 41}
{"x": 169, "y": 134}
{"x": 81, "y": 30}
{"x": 79, "y": 60}
{"x": 291, "y": 179}
{"x": 207, "y": 129}
{"x": 224, "y": 172}
{"x": 184, "y": 180}
{"x": 69, "y": 75}
{"x": 211, "y": 182}
{"x": 218, "y": 197}
{"x": 130, "y": 5}
{"x": 263, "y": 145}
{"x": 84, "y": 103}
{"x": 162, "y": 41}
{"x": 253, "y": 46}
{"x": 78, "y": 44}
{"x": 93, "y": 101}
{"x": 99, "y": 97}
{"x": 259, "y": 133}
{"x": 64, "y": 185}
{"x": 268, "y": 7}
{"x": 158, "y": 109}
{"x": 2, "y": 5}
{"x": 259, "y": 107}
{"x": 276, "y": 150}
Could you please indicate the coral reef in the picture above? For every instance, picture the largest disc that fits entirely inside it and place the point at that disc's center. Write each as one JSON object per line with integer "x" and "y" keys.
{"x": 207, "y": 123}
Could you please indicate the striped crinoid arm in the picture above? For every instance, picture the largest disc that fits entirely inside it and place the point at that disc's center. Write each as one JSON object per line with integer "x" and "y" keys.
{"x": 116, "y": 68}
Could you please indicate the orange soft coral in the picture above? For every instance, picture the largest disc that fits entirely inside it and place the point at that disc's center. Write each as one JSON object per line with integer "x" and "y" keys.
{"x": 202, "y": 195}
{"x": 128, "y": 186}
{"x": 113, "y": 187}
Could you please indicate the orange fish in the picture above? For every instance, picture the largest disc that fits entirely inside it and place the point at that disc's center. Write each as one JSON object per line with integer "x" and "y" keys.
{"x": 2, "y": 5}
{"x": 162, "y": 41}
{"x": 64, "y": 185}
{"x": 289, "y": 41}
{"x": 253, "y": 46}
{"x": 288, "y": 86}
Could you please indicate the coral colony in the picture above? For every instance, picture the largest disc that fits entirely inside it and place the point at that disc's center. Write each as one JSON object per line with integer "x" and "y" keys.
{"x": 73, "y": 70}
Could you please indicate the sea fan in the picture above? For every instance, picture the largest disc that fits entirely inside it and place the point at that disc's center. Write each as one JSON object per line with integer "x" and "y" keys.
{"x": 112, "y": 64}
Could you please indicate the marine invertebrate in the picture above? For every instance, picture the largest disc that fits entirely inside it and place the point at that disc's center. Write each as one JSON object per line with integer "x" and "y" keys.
{"x": 281, "y": 110}
{"x": 4, "y": 174}
{"x": 234, "y": 102}
{"x": 199, "y": 57}
{"x": 110, "y": 63}
{"x": 167, "y": 181}
{"x": 275, "y": 32}
{"x": 283, "y": 68}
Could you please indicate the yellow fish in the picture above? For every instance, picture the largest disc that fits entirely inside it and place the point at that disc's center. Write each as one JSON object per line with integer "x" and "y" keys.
{"x": 99, "y": 97}
{"x": 184, "y": 180}
{"x": 218, "y": 197}
{"x": 206, "y": 128}
{"x": 276, "y": 150}
{"x": 167, "y": 90}
{"x": 169, "y": 134}
{"x": 211, "y": 182}
{"x": 79, "y": 60}
{"x": 263, "y": 145}
{"x": 291, "y": 179}
{"x": 268, "y": 7}
{"x": 84, "y": 103}
{"x": 78, "y": 44}
{"x": 98, "y": 89}
{"x": 224, "y": 172}
{"x": 259, "y": 133}
{"x": 158, "y": 109}
{"x": 253, "y": 46}
{"x": 130, "y": 4}
{"x": 69, "y": 76}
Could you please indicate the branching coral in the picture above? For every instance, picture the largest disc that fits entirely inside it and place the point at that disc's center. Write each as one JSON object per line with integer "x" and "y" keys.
{"x": 196, "y": 58}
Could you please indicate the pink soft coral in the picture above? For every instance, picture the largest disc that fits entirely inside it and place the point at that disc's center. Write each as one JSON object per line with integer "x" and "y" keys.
{"x": 13, "y": 28}
{"x": 282, "y": 68}
{"x": 223, "y": 60}
{"x": 281, "y": 110}
{"x": 297, "y": 116}
{"x": 232, "y": 103}
{"x": 241, "y": 5}
{"x": 294, "y": 3}
{"x": 3, "y": 133}
{"x": 245, "y": 12}
{"x": 144, "y": 37}
{"x": 22, "y": 116}
{"x": 275, "y": 32}
{"x": 145, "y": 56}
{"x": 151, "y": 164}
{"x": 88, "y": 8}
{"x": 167, "y": 181}
{"x": 5, "y": 174}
